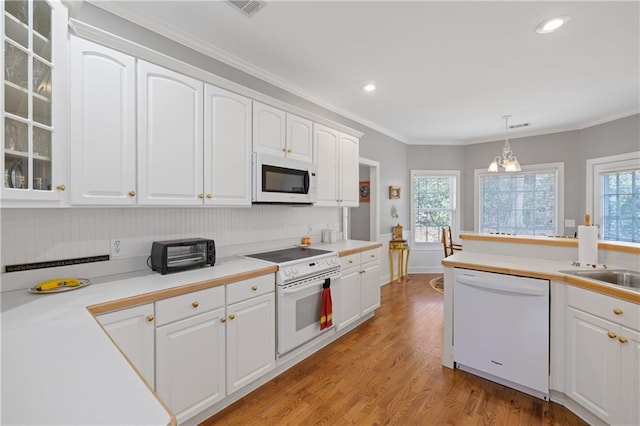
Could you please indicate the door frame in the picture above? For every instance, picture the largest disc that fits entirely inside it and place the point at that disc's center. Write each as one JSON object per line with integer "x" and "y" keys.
{"x": 374, "y": 210}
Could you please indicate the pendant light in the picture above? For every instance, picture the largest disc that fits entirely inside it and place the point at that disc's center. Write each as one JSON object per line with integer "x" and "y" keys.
{"x": 508, "y": 162}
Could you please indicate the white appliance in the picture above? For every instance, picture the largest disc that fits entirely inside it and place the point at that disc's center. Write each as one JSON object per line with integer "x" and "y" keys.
{"x": 281, "y": 180}
{"x": 301, "y": 274}
{"x": 501, "y": 329}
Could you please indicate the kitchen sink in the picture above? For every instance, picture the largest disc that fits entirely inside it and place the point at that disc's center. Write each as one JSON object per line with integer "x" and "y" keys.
{"x": 621, "y": 277}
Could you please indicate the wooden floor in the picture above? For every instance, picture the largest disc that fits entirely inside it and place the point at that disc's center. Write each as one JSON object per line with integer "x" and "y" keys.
{"x": 388, "y": 371}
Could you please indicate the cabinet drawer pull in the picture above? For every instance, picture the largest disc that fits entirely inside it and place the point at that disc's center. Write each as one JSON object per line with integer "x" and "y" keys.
{"x": 372, "y": 255}
{"x": 61, "y": 188}
{"x": 612, "y": 335}
{"x": 622, "y": 339}
{"x": 223, "y": 320}
{"x": 254, "y": 288}
{"x": 232, "y": 316}
{"x": 195, "y": 304}
{"x": 617, "y": 311}
{"x": 149, "y": 318}
{"x": 351, "y": 261}
{"x": 132, "y": 193}
{"x": 209, "y": 195}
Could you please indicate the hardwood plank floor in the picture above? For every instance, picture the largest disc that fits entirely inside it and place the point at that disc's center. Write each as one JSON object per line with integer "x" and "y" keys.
{"x": 388, "y": 371}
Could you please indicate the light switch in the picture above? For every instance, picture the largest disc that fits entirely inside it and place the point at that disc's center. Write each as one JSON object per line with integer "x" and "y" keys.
{"x": 570, "y": 223}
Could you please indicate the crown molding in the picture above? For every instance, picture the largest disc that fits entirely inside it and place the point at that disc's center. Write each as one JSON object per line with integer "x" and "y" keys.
{"x": 225, "y": 57}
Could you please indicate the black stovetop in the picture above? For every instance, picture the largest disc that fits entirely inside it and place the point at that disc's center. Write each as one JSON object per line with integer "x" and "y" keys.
{"x": 288, "y": 255}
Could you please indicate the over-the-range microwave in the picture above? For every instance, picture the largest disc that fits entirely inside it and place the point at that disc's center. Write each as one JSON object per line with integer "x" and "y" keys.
{"x": 281, "y": 180}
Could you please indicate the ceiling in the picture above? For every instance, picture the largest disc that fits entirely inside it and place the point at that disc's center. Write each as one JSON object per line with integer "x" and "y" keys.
{"x": 446, "y": 72}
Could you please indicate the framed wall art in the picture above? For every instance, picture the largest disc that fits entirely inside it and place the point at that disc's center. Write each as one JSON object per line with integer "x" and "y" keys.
{"x": 394, "y": 192}
{"x": 365, "y": 191}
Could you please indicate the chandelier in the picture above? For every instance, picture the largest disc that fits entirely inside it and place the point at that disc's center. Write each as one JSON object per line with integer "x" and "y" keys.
{"x": 508, "y": 162}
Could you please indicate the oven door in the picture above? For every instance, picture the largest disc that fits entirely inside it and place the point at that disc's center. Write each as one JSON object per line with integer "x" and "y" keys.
{"x": 299, "y": 312}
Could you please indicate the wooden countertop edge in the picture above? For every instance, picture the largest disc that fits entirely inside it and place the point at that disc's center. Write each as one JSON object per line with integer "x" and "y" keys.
{"x": 570, "y": 279}
{"x": 116, "y": 305}
{"x": 348, "y": 252}
{"x": 558, "y": 242}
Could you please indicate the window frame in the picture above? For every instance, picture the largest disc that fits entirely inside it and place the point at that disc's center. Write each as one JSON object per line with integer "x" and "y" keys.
{"x": 598, "y": 166}
{"x": 558, "y": 168}
{"x": 455, "y": 226}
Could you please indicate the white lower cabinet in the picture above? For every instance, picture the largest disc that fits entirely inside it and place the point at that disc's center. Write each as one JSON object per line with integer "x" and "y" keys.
{"x": 358, "y": 291}
{"x": 603, "y": 356}
{"x": 190, "y": 351}
{"x": 132, "y": 330}
{"x": 190, "y": 363}
{"x": 251, "y": 338}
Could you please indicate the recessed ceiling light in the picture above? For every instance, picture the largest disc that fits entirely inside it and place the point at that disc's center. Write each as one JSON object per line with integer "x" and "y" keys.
{"x": 552, "y": 24}
{"x": 369, "y": 87}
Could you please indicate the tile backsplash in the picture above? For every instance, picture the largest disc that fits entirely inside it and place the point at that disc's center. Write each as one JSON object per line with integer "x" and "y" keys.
{"x": 35, "y": 235}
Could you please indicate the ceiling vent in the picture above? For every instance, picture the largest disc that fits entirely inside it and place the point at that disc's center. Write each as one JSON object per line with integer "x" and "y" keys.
{"x": 518, "y": 126}
{"x": 248, "y": 7}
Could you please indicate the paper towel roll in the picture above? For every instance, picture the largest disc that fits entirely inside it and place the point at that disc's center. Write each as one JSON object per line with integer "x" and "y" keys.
{"x": 588, "y": 245}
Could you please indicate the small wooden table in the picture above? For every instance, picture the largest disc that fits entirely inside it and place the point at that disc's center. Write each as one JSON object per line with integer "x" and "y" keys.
{"x": 403, "y": 264}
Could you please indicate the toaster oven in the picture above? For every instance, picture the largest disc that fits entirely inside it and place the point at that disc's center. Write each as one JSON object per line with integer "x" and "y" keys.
{"x": 180, "y": 255}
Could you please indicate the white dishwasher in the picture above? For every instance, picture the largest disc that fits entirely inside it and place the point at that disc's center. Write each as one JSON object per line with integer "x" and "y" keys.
{"x": 501, "y": 329}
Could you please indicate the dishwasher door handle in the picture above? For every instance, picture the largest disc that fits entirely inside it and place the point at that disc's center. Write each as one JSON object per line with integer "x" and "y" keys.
{"x": 517, "y": 288}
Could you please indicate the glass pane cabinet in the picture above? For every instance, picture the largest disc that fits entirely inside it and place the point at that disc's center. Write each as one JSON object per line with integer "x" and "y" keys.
{"x": 29, "y": 87}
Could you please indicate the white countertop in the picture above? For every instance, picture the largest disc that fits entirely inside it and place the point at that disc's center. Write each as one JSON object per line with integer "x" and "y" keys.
{"x": 59, "y": 367}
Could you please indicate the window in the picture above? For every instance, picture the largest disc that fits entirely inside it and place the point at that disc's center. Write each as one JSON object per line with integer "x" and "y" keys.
{"x": 523, "y": 203}
{"x": 613, "y": 194}
{"x": 434, "y": 196}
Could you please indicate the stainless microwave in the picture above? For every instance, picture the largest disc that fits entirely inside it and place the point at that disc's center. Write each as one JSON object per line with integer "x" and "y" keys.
{"x": 281, "y": 180}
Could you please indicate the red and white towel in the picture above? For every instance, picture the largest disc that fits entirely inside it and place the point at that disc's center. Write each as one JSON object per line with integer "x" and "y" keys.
{"x": 326, "y": 309}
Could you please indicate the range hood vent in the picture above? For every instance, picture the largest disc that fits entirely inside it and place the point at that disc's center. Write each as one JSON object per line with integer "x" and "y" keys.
{"x": 248, "y": 7}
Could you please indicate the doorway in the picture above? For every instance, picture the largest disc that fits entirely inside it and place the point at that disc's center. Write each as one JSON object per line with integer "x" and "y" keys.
{"x": 364, "y": 222}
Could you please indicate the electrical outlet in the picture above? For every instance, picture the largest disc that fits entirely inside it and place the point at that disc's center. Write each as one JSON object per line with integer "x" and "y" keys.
{"x": 116, "y": 248}
{"x": 309, "y": 229}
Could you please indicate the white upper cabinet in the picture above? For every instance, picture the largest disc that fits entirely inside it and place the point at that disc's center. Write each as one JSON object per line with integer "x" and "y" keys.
{"x": 337, "y": 158}
{"x": 326, "y": 142}
{"x": 227, "y": 148}
{"x": 299, "y": 141}
{"x": 281, "y": 134}
{"x": 103, "y": 128}
{"x": 35, "y": 109}
{"x": 269, "y": 133}
{"x": 349, "y": 158}
{"x": 170, "y": 137}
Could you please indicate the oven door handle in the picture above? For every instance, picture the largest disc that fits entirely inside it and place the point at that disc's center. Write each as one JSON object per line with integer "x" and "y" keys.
{"x": 303, "y": 288}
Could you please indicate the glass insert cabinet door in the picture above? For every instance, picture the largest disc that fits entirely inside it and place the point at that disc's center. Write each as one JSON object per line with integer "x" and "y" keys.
{"x": 28, "y": 63}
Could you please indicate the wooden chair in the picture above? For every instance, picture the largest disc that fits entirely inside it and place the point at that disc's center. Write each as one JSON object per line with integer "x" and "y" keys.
{"x": 447, "y": 242}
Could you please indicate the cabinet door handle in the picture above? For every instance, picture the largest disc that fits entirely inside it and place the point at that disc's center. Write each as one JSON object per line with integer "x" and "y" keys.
{"x": 289, "y": 151}
{"x": 61, "y": 188}
{"x": 612, "y": 335}
{"x": 149, "y": 318}
{"x": 254, "y": 288}
{"x": 209, "y": 195}
{"x": 195, "y": 304}
{"x": 132, "y": 193}
{"x": 284, "y": 149}
{"x": 231, "y": 316}
{"x": 351, "y": 261}
{"x": 622, "y": 339}
{"x": 617, "y": 311}
{"x": 372, "y": 255}
{"x": 223, "y": 320}
{"x": 200, "y": 195}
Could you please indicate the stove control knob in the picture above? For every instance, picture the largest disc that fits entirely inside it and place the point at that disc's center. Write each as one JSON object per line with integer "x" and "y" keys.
{"x": 287, "y": 272}
{"x": 294, "y": 270}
